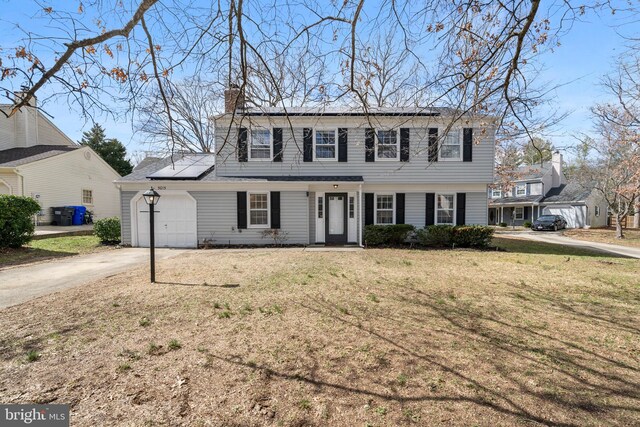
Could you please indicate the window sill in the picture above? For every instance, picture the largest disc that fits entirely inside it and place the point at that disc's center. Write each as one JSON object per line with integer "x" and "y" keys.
{"x": 260, "y": 160}
{"x": 449, "y": 160}
{"x": 386, "y": 159}
{"x": 258, "y": 227}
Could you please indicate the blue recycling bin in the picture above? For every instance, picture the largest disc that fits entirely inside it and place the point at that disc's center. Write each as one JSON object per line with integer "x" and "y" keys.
{"x": 78, "y": 215}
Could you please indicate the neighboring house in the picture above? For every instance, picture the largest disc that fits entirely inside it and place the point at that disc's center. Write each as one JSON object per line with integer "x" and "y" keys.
{"x": 540, "y": 190}
{"x": 318, "y": 176}
{"x": 39, "y": 161}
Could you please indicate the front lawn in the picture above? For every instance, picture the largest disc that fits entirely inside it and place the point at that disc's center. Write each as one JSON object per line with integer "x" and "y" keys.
{"x": 53, "y": 247}
{"x": 606, "y": 235}
{"x": 381, "y": 337}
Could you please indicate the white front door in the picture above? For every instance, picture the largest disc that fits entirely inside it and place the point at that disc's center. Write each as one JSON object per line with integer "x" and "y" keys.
{"x": 175, "y": 219}
{"x": 336, "y": 228}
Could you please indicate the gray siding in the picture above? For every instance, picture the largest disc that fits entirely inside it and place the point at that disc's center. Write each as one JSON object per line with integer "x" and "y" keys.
{"x": 312, "y": 217}
{"x": 477, "y": 209}
{"x": 217, "y": 218}
{"x": 125, "y": 215}
{"x": 415, "y": 205}
{"x": 417, "y": 170}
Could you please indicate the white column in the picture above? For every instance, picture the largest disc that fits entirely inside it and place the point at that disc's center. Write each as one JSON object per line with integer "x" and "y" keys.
{"x": 359, "y": 215}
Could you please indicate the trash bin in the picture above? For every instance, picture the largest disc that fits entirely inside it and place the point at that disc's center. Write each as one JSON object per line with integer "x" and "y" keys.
{"x": 62, "y": 216}
{"x": 78, "y": 214}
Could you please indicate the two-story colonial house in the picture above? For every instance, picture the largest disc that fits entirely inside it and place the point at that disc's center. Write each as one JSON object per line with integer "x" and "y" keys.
{"x": 543, "y": 190}
{"x": 316, "y": 175}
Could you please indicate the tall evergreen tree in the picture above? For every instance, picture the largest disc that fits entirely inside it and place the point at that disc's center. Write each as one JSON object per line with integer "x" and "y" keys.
{"x": 110, "y": 149}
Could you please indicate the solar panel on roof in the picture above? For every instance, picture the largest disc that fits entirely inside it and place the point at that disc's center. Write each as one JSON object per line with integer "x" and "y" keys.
{"x": 188, "y": 167}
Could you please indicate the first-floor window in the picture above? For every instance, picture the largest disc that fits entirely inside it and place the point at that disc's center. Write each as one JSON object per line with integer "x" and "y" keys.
{"x": 87, "y": 197}
{"x": 597, "y": 211}
{"x": 352, "y": 207}
{"x": 384, "y": 209}
{"x": 259, "y": 209}
{"x": 519, "y": 213}
{"x": 320, "y": 207}
{"x": 444, "y": 211}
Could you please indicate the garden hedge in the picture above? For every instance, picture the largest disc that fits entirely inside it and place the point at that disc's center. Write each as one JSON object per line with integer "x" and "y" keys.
{"x": 16, "y": 220}
{"x": 108, "y": 230}
{"x": 384, "y": 235}
{"x": 461, "y": 236}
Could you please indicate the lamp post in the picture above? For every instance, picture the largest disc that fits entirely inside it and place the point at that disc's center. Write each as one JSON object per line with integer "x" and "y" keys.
{"x": 152, "y": 197}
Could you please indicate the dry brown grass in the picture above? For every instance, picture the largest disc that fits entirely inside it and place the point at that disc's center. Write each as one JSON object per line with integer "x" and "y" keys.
{"x": 606, "y": 235}
{"x": 378, "y": 337}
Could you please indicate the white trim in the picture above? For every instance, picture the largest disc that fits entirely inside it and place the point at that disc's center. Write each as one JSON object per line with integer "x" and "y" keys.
{"x": 375, "y": 207}
{"x": 453, "y": 221}
{"x": 320, "y": 224}
{"x": 520, "y": 186}
{"x": 335, "y": 146}
{"x": 268, "y": 224}
{"x": 133, "y": 212}
{"x": 250, "y": 140}
{"x": 443, "y": 138}
{"x": 2, "y": 181}
{"x": 376, "y": 142}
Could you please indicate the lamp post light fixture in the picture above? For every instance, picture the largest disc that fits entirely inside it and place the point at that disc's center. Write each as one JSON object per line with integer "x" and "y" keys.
{"x": 152, "y": 197}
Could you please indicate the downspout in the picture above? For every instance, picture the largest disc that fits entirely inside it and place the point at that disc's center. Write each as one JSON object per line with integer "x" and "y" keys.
{"x": 360, "y": 215}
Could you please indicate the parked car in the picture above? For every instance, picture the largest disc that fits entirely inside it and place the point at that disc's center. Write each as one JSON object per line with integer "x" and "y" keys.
{"x": 549, "y": 222}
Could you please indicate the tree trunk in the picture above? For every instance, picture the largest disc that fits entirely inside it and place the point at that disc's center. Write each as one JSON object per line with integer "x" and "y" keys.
{"x": 619, "y": 234}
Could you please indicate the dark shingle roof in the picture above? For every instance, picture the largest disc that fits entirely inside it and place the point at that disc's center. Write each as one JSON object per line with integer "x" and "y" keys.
{"x": 515, "y": 200}
{"x": 146, "y": 162}
{"x": 300, "y": 178}
{"x": 572, "y": 192}
{"x": 20, "y": 156}
{"x": 324, "y": 111}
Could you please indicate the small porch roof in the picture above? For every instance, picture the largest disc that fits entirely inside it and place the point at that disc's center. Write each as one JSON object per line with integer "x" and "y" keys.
{"x": 515, "y": 201}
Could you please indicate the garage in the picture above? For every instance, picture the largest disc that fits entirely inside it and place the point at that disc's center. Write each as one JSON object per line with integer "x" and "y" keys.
{"x": 570, "y": 213}
{"x": 175, "y": 221}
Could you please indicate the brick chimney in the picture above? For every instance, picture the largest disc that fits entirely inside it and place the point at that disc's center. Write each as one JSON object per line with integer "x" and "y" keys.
{"x": 557, "y": 176}
{"x": 233, "y": 99}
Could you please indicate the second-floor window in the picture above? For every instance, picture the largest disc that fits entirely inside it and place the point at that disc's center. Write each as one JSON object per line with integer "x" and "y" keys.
{"x": 387, "y": 146}
{"x": 260, "y": 148}
{"x": 521, "y": 190}
{"x": 451, "y": 146}
{"x": 496, "y": 193}
{"x": 325, "y": 144}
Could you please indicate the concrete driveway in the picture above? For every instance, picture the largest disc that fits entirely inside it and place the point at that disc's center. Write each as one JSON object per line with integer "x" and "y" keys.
{"x": 20, "y": 284}
{"x": 559, "y": 239}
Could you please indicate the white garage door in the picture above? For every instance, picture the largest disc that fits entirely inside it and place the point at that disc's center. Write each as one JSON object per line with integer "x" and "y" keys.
{"x": 175, "y": 222}
{"x": 568, "y": 212}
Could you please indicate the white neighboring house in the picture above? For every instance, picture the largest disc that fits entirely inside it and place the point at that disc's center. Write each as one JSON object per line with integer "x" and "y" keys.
{"x": 545, "y": 191}
{"x": 38, "y": 160}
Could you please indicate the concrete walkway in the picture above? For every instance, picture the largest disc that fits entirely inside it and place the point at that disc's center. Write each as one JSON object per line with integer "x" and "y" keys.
{"x": 559, "y": 239}
{"x": 20, "y": 284}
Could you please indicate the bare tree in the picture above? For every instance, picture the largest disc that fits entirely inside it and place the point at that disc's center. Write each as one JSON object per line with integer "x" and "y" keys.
{"x": 193, "y": 103}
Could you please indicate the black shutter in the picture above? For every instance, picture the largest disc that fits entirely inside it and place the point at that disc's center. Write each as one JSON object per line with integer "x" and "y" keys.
{"x": 277, "y": 144}
{"x": 307, "y": 144}
{"x": 242, "y": 209}
{"x": 369, "y": 145}
{"x": 275, "y": 209}
{"x": 368, "y": 208}
{"x": 430, "y": 210}
{"x": 433, "y": 144}
{"x": 342, "y": 145}
{"x": 404, "y": 144}
{"x": 461, "y": 201}
{"x": 399, "y": 208}
{"x": 242, "y": 145}
{"x": 467, "y": 144}
{"x": 527, "y": 209}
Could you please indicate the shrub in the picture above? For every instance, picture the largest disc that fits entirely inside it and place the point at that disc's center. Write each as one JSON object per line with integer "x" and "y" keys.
{"x": 392, "y": 234}
{"x": 16, "y": 220}
{"x": 503, "y": 224}
{"x": 436, "y": 235}
{"x": 472, "y": 236}
{"x": 108, "y": 230}
{"x": 527, "y": 224}
{"x": 462, "y": 236}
